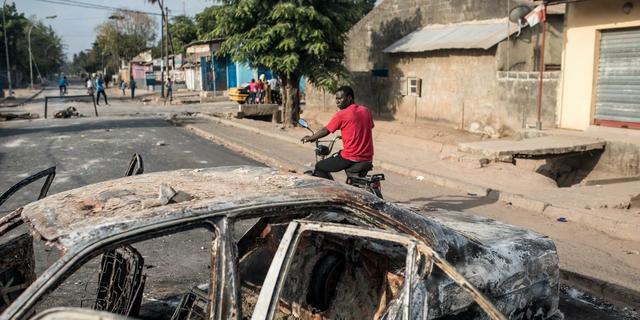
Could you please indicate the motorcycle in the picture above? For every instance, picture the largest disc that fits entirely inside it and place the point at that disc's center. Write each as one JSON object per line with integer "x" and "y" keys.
{"x": 357, "y": 175}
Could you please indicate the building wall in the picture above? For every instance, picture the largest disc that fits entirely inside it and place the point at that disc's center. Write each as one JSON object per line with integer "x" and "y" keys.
{"x": 584, "y": 21}
{"x": 464, "y": 88}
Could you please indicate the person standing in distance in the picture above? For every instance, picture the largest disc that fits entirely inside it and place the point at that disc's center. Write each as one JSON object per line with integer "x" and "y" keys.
{"x": 355, "y": 123}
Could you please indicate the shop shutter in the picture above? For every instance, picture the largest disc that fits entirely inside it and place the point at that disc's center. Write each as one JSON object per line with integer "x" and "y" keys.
{"x": 618, "y": 86}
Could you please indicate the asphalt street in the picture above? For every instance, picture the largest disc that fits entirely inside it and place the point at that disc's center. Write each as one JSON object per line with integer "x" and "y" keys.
{"x": 89, "y": 150}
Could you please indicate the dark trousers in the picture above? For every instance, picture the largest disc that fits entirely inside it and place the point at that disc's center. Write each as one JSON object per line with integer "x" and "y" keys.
{"x": 335, "y": 163}
{"x": 98, "y": 97}
{"x": 168, "y": 96}
{"x": 133, "y": 93}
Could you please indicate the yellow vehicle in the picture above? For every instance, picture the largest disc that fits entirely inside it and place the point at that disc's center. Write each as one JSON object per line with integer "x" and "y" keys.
{"x": 239, "y": 95}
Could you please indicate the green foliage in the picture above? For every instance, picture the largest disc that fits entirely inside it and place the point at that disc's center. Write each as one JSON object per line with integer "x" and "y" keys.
{"x": 87, "y": 62}
{"x": 46, "y": 46}
{"x": 291, "y": 37}
{"x": 125, "y": 37}
{"x": 183, "y": 31}
{"x": 206, "y": 22}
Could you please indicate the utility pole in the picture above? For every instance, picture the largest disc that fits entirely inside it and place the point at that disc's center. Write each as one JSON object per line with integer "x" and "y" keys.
{"x": 6, "y": 46}
{"x": 166, "y": 47}
{"x": 161, "y": 50}
{"x": 30, "y": 55}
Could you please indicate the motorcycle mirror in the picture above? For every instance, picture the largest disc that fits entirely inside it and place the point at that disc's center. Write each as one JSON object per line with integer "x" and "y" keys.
{"x": 303, "y": 123}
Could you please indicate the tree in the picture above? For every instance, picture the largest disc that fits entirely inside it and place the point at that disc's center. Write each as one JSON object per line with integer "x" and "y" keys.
{"x": 293, "y": 38}
{"x": 124, "y": 36}
{"x": 46, "y": 46}
{"x": 206, "y": 22}
{"x": 183, "y": 31}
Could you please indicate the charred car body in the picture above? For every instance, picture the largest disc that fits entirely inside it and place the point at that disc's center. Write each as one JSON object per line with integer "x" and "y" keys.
{"x": 280, "y": 246}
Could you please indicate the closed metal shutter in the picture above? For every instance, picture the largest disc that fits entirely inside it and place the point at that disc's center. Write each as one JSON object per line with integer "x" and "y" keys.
{"x": 618, "y": 95}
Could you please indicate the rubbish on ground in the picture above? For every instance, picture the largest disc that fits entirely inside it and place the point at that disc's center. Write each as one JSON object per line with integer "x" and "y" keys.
{"x": 419, "y": 178}
{"x": 562, "y": 219}
{"x": 70, "y": 112}
{"x": 472, "y": 194}
{"x": 18, "y": 116}
{"x": 636, "y": 252}
{"x": 161, "y": 143}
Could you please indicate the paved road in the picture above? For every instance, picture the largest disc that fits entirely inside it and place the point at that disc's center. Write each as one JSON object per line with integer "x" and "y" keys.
{"x": 90, "y": 150}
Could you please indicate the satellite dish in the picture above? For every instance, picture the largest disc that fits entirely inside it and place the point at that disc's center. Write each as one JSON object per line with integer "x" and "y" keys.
{"x": 518, "y": 13}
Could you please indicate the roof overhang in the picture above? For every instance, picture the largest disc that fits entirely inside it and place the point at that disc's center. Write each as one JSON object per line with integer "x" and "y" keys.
{"x": 465, "y": 35}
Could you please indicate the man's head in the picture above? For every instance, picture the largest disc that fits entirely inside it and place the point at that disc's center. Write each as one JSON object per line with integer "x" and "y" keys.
{"x": 344, "y": 97}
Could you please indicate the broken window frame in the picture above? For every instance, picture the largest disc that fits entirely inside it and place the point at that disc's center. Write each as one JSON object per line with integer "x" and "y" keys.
{"x": 71, "y": 261}
{"x": 266, "y": 306}
{"x": 268, "y": 299}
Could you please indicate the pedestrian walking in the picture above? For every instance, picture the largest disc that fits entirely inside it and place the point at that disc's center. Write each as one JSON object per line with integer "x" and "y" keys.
{"x": 132, "y": 87}
{"x": 123, "y": 87}
{"x": 266, "y": 88}
{"x": 260, "y": 89}
{"x": 274, "y": 86}
{"x": 253, "y": 91}
{"x": 169, "y": 95}
{"x": 100, "y": 86}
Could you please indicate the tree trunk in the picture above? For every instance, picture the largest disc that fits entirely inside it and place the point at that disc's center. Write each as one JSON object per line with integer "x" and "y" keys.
{"x": 291, "y": 100}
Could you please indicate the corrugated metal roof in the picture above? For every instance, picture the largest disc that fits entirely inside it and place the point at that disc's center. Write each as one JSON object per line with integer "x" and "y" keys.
{"x": 467, "y": 35}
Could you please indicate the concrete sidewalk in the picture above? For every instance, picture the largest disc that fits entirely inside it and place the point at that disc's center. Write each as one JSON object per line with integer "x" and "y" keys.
{"x": 597, "y": 207}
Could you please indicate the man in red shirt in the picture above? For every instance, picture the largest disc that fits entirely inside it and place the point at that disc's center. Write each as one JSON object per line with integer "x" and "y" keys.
{"x": 355, "y": 123}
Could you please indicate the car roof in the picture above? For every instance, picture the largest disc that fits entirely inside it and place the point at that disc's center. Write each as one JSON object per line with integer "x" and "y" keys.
{"x": 105, "y": 208}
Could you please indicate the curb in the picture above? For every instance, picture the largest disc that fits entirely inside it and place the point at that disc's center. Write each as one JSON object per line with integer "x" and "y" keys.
{"x": 242, "y": 149}
{"x": 612, "y": 227}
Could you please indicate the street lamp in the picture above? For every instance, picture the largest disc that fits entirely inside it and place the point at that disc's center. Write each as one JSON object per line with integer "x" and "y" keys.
{"x": 30, "y": 55}
{"x": 6, "y": 46}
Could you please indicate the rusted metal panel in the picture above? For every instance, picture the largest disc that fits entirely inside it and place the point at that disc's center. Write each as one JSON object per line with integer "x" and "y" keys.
{"x": 96, "y": 208}
{"x": 465, "y": 35}
{"x": 121, "y": 282}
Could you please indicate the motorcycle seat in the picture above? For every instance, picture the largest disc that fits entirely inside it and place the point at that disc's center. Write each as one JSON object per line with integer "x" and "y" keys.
{"x": 359, "y": 170}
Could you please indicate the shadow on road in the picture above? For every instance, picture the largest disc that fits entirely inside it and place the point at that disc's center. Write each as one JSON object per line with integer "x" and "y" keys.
{"x": 453, "y": 202}
{"x": 73, "y": 126}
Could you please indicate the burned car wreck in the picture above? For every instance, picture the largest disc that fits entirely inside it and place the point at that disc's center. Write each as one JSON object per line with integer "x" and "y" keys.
{"x": 271, "y": 245}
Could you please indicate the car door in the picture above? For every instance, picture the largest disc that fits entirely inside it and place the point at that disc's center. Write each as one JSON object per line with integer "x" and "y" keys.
{"x": 410, "y": 302}
{"x": 17, "y": 262}
{"x": 416, "y": 266}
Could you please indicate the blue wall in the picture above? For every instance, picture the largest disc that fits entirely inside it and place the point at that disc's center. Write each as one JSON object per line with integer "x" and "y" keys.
{"x": 245, "y": 74}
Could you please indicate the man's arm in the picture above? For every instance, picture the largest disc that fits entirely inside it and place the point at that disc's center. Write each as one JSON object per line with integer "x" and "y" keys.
{"x": 318, "y": 135}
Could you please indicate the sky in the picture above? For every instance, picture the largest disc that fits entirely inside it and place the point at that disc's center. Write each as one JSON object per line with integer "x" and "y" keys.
{"x": 76, "y": 26}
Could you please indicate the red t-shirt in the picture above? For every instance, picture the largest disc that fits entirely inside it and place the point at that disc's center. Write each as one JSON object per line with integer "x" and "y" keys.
{"x": 355, "y": 124}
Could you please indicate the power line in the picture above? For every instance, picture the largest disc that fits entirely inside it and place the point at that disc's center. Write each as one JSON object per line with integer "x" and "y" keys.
{"x": 86, "y": 5}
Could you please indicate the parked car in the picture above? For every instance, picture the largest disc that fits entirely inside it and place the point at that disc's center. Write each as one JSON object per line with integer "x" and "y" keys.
{"x": 240, "y": 242}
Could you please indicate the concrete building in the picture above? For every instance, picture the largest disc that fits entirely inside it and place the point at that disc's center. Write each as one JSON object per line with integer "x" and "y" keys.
{"x": 601, "y": 62}
{"x": 206, "y": 72}
{"x": 459, "y": 62}
{"x": 140, "y": 67}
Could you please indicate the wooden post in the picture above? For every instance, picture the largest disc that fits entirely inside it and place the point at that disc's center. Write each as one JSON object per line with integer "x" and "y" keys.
{"x": 46, "y": 101}
{"x": 94, "y": 104}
